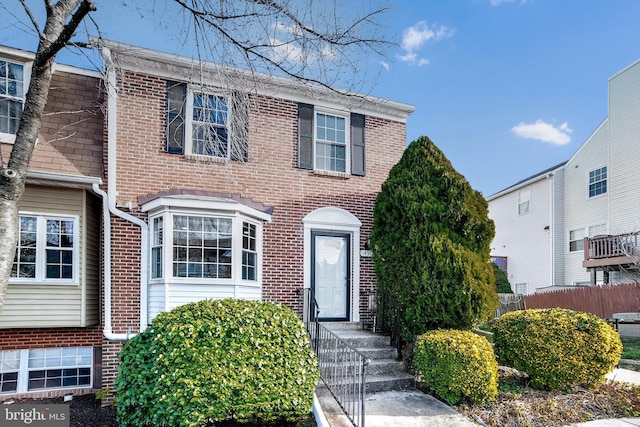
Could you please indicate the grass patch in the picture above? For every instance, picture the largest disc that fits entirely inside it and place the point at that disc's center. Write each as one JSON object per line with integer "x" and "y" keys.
{"x": 631, "y": 348}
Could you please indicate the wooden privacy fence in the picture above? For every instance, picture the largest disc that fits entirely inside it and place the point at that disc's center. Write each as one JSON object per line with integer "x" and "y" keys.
{"x": 602, "y": 300}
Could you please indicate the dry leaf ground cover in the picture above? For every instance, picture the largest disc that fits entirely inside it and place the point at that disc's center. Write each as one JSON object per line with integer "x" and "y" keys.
{"x": 518, "y": 405}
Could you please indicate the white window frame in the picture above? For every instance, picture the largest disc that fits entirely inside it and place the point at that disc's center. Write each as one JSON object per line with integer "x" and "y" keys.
{"x": 347, "y": 139}
{"x": 24, "y": 367}
{"x": 10, "y": 138}
{"x": 237, "y": 222}
{"x": 588, "y": 231}
{"x": 579, "y": 241}
{"x": 524, "y": 201}
{"x": 521, "y": 288}
{"x": 41, "y": 248}
{"x": 189, "y": 122}
{"x": 605, "y": 180}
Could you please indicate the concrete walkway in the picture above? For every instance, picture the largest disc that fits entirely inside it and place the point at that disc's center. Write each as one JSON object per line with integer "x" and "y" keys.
{"x": 412, "y": 408}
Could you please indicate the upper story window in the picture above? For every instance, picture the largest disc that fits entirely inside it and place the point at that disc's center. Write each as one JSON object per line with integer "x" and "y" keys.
{"x": 209, "y": 125}
{"x": 598, "y": 182}
{"x": 47, "y": 250}
{"x": 12, "y": 95}
{"x": 330, "y": 141}
{"x": 524, "y": 201}
{"x": 205, "y": 123}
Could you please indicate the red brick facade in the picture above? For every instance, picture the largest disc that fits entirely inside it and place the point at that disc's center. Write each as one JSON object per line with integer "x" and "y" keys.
{"x": 270, "y": 177}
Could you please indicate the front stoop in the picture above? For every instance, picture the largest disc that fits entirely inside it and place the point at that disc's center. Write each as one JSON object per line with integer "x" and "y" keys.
{"x": 385, "y": 372}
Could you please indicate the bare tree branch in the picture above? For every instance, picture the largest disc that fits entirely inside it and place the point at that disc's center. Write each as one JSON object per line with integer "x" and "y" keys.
{"x": 32, "y": 18}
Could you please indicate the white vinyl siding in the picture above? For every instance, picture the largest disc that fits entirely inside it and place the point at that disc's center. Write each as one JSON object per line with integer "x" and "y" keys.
{"x": 524, "y": 239}
{"x": 580, "y": 210}
{"x": 164, "y": 297}
{"x": 624, "y": 149}
{"x": 524, "y": 201}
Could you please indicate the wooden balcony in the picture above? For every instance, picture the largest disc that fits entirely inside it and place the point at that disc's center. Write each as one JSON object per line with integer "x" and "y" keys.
{"x": 611, "y": 253}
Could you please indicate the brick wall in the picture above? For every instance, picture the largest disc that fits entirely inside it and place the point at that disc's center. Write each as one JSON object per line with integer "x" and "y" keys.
{"x": 70, "y": 142}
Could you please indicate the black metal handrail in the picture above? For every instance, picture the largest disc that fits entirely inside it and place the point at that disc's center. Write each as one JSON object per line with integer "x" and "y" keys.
{"x": 343, "y": 368}
{"x": 389, "y": 319}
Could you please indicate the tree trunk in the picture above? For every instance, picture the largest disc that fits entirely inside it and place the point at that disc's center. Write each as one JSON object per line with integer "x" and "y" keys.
{"x": 8, "y": 241}
{"x": 56, "y": 35}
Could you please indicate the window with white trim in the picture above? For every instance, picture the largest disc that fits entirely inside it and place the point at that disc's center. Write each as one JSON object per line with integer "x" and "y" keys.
{"x": 59, "y": 368}
{"x": 207, "y": 122}
{"x": 524, "y": 201}
{"x": 13, "y": 84}
{"x": 598, "y": 182}
{"x": 576, "y": 240}
{"x": 45, "y": 369}
{"x": 9, "y": 368}
{"x": 47, "y": 249}
{"x": 521, "y": 288}
{"x": 331, "y": 142}
{"x": 205, "y": 248}
{"x": 156, "y": 248}
{"x": 249, "y": 252}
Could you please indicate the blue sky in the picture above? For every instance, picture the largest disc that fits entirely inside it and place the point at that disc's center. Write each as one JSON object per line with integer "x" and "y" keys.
{"x": 505, "y": 88}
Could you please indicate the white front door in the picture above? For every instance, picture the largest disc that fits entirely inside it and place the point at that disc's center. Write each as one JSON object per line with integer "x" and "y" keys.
{"x": 330, "y": 274}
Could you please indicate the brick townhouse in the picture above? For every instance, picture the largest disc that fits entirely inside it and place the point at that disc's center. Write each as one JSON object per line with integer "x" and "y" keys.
{"x": 199, "y": 182}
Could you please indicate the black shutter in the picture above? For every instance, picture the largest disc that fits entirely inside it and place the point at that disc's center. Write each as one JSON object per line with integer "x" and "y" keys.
{"x": 305, "y": 136}
{"x": 357, "y": 145}
{"x": 176, "y": 101}
{"x": 239, "y": 126}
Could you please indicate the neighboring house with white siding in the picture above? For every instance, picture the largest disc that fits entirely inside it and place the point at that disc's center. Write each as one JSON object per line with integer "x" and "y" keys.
{"x": 524, "y": 218}
{"x": 576, "y": 223}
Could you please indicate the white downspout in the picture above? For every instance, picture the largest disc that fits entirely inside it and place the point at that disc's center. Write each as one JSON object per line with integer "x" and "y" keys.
{"x": 109, "y": 207}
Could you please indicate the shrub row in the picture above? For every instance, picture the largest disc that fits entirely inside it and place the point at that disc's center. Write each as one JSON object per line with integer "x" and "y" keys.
{"x": 557, "y": 348}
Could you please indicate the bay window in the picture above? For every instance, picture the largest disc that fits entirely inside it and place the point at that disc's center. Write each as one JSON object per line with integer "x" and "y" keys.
{"x": 205, "y": 248}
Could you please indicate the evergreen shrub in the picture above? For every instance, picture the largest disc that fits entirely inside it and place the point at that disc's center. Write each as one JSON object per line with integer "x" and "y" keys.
{"x": 557, "y": 347}
{"x": 457, "y": 365}
{"x": 211, "y": 361}
{"x": 430, "y": 240}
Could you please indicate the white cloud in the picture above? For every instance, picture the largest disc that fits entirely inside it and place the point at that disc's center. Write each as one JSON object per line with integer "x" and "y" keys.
{"x": 385, "y": 65}
{"x": 499, "y": 2}
{"x": 544, "y": 132}
{"x": 415, "y": 37}
{"x": 286, "y": 52}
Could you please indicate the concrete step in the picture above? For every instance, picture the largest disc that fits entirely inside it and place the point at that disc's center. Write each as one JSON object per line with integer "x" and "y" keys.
{"x": 376, "y": 353}
{"x": 384, "y": 366}
{"x": 363, "y": 338}
{"x": 387, "y": 382}
{"x": 342, "y": 326}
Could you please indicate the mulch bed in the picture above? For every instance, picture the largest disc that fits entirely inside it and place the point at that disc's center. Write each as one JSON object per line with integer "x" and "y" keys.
{"x": 84, "y": 410}
{"x": 87, "y": 411}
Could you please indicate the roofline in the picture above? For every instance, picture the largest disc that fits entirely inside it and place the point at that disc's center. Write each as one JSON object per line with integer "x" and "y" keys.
{"x": 173, "y": 66}
{"x": 27, "y": 56}
{"x": 527, "y": 181}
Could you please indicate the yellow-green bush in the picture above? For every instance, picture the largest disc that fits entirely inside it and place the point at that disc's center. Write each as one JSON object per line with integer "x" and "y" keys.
{"x": 557, "y": 347}
{"x": 217, "y": 360}
{"x": 457, "y": 365}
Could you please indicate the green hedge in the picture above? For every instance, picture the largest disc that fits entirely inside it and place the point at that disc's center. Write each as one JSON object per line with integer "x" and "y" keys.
{"x": 217, "y": 360}
{"x": 557, "y": 347}
{"x": 457, "y": 365}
